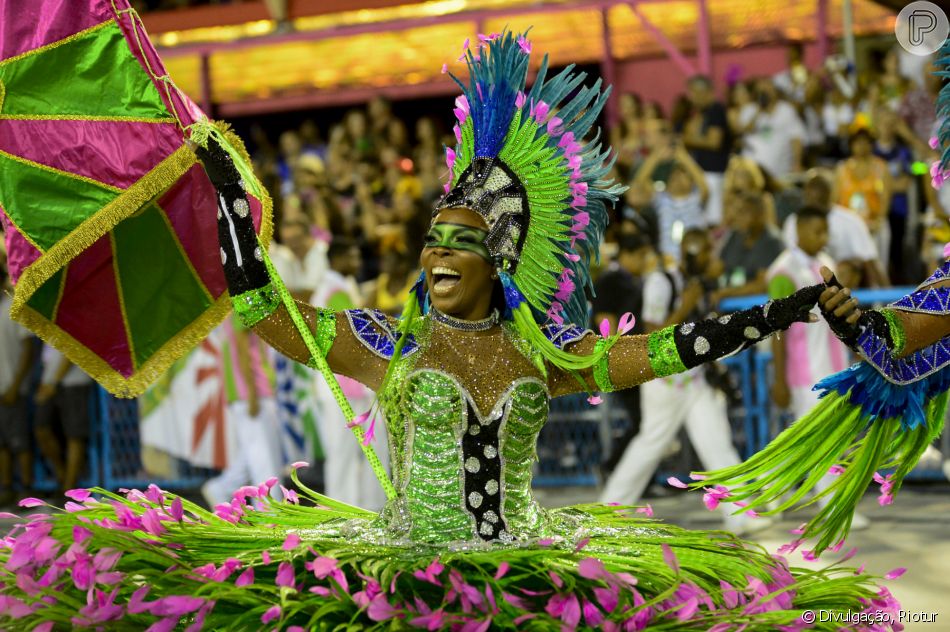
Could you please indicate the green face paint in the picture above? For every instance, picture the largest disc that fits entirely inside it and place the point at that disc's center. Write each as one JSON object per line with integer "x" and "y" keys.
{"x": 458, "y": 237}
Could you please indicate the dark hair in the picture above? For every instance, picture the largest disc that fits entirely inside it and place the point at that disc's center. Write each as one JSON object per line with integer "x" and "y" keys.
{"x": 632, "y": 242}
{"x": 340, "y": 246}
{"x": 820, "y": 181}
{"x": 810, "y": 212}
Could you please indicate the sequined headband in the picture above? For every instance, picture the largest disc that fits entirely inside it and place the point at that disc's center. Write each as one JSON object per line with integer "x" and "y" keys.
{"x": 491, "y": 189}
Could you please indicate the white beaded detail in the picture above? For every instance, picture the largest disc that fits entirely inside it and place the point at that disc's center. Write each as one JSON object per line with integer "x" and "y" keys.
{"x": 751, "y": 333}
{"x": 475, "y": 500}
{"x": 491, "y": 487}
{"x": 687, "y": 329}
{"x": 224, "y": 257}
{"x": 490, "y": 452}
{"x": 472, "y": 465}
{"x": 490, "y": 516}
{"x": 241, "y": 207}
{"x": 474, "y": 429}
{"x": 486, "y": 528}
{"x": 724, "y": 320}
{"x": 701, "y": 346}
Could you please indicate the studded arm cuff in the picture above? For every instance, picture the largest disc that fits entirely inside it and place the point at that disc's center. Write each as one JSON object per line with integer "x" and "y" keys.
{"x": 241, "y": 257}
{"x": 602, "y": 368}
{"x": 254, "y": 306}
{"x": 324, "y": 333}
{"x": 680, "y": 347}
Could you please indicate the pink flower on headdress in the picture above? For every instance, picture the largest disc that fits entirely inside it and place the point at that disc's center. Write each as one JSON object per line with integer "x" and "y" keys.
{"x": 458, "y": 133}
{"x": 445, "y": 68}
{"x": 488, "y": 38}
{"x": 450, "y": 157}
{"x": 520, "y": 99}
{"x": 554, "y": 126}
{"x": 464, "y": 49}
{"x": 540, "y": 111}
{"x": 461, "y": 109}
{"x": 578, "y": 188}
{"x": 524, "y": 44}
{"x": 934, "y": 142}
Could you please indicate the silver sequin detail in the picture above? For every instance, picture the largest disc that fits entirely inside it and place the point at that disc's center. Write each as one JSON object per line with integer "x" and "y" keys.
{"x": 258, "y": 254}
{"x": 219, "y": 212}
{"x": 751, "y": 333}
{"x": 490, "y": 516}
{"x": 241, "y": 207}
{"x": 687, "y": 328}
{"x": 224, "y": 257}
{"x": 475, "y": 499}
{"x": 486, "y": 528}
{"x": 491, "y": 487}
{"x": 724, "y": 320}
{"x": 490, "y": 452}
{"x": 474, "y": 429}
{"x": 472, "y": 465}
{"x": 701, "y": 346}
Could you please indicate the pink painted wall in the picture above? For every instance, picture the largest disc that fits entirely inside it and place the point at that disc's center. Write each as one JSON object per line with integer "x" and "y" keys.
{"x": 661, "y": 80}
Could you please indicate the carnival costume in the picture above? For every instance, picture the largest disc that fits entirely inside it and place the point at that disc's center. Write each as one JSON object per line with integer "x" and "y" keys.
{"x": 879, "y": 414}
{"x": 461, "y": 543}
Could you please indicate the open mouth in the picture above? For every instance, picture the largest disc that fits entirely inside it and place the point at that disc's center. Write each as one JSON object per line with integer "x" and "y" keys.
{"x": 444, "y": 279}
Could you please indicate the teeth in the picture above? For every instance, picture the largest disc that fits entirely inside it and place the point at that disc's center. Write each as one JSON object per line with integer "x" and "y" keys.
{"x": 446, "y": 271}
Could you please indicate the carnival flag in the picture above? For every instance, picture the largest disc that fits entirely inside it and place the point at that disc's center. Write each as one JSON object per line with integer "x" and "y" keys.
{"x": 109, "y": 219}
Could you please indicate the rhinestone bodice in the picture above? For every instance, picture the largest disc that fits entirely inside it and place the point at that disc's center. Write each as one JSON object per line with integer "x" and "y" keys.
{"x": 462, "y": 442}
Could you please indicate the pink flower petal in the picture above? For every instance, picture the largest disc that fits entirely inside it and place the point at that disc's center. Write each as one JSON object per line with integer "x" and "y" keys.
{"x": 265, "y": 556}
{"x": 272, "y": 613}
{"x": 29, "y": 503}
{"x": 291, "y": 542}
{"x": 646, "y": 509}
{"x": 246, "y": 578}
{"x": 524, "y": 44}
{"x": 894, "y": 574}
{"x": 605, "y": 328}
{"x": 299, "y": 464}
{"x": 594, "y": 400}
{"x": 502, "y": 570}
{"x": 79, "y": 495}
{"x": 445, "y": 68}
{"x": 675, "y": 482}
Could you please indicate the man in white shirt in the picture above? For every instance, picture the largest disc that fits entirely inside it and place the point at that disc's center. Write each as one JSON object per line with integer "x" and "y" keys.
{"x": 300, "y": 258}
{"x": 669, "y": 403}
{"x": 774, "y": 133}
{"x": 849, "y": 240}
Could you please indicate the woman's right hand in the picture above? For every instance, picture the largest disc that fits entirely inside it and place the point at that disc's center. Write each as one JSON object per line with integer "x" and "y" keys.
{"x": 839, "y": 308}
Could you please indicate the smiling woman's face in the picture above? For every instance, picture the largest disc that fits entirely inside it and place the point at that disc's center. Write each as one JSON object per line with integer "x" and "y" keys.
{"x": 457, "y": 266}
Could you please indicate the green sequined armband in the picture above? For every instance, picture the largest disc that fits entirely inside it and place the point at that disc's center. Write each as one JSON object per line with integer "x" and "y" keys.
{"x": 602, "y": 368}
{"x": 661, "y": 350}
{"x": 896, "y": 328}
{"x": 254, "y": 306}
{"x": 325, "y": 332}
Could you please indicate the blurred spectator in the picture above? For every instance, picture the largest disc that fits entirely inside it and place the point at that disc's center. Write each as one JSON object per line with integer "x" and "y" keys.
{"x": 638, "y": 214}
{"x": 348, "y": 476}
{"x": 669, "y": 403}
{"x": 389, "y": 291}
{"x": 251, "y": 413}
{"x": 744, "y": 176}
{"x": 837, "y": 114}
{"x": 863, "y": 184}
{"x": 918, "y": 107}
{"x": 806, "y": 352}
{"x": 300, "y": 258}
{"x": 740, "y": 96}
{"x": 64, "y": 394}
{"x": 849, "y": 240}
{"x": 16, "y": 353}
{"x": 773, "y": 134}
{"x": 707, "y": 137}
{"x": 626, "y": 137}
{"x": 792, "y": 81}
{"x": 897, "y": 154}
{"x": 749, "y": 250}
{"x": 679, "y": 206}
{"x": 619, "y": 290}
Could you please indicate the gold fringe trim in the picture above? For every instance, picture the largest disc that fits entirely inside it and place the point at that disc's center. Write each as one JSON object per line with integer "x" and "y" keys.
{"x": 99, "y": 369}
{"x": 113, "y": 381}
{"x": 60, "y": 172}
{"x": 58, "y": 43}
{"x": 3, "y": 94}
{"x": 147, "y": 188}
{"x": 82, "y": 117}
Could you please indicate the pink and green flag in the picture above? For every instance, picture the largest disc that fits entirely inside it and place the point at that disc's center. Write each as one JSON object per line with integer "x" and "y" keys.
{"x": 108, "y": 218}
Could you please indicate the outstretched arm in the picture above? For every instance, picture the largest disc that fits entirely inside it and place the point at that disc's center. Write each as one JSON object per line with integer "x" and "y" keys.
{"x": 254, "y": 296}
{"x": 633, "y": 360}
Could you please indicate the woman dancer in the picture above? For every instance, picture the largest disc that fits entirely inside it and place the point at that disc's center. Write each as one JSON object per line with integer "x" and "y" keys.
{"x": 487, "y": 336}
